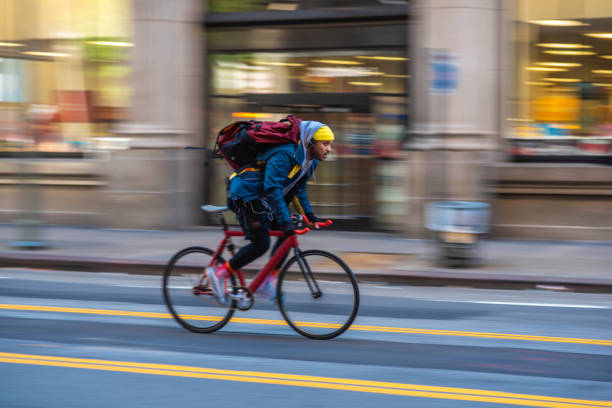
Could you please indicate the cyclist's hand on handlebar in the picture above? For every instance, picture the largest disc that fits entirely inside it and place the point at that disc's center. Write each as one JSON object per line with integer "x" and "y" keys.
{"x": 288, "y": 228}
{"x": 315, "y": 222}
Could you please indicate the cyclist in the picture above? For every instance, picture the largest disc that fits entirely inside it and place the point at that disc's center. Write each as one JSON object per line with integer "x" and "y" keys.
{"x": 260, "y": 200}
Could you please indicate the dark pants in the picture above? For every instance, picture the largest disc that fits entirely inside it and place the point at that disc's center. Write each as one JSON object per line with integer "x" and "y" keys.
{"x": 255, "y": 222}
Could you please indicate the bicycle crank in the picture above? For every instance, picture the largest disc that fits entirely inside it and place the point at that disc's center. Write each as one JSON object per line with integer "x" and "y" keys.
{"x": 243, "y": 297}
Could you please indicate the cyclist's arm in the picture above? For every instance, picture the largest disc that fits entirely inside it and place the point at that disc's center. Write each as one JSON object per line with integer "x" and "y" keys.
{"x": 278, "y": 167}
{"x": 302, "y": 196}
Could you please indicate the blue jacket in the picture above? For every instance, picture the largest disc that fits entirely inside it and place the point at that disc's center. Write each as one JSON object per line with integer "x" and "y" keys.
{"x": 284, "y": 176}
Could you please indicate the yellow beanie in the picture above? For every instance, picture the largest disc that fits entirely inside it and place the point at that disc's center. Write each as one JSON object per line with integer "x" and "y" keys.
{"x": 324, "y": 133}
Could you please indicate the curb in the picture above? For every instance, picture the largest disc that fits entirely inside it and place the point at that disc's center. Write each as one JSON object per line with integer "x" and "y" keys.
{"x": 492, "y": 280}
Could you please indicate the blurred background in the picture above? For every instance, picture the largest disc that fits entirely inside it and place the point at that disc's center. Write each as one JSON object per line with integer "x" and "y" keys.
{"x": 504, "y": 102}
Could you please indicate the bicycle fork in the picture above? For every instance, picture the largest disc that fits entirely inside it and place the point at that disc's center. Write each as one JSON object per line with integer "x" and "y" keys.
{"x": 308, "y": 275}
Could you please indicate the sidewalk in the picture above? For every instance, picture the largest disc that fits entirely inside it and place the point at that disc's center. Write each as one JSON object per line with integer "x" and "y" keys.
{"x": 375, "y": 257}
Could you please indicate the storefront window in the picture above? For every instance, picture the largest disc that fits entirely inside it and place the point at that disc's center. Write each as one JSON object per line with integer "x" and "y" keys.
{"x": 360, "y": 94}
{"x": 63, "y": 73}
{"x": 229, "y": 6}
{"x": 563, "y": 92}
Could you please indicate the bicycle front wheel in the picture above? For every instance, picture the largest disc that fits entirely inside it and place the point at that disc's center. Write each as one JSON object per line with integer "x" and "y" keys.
{"x": 318, "y": 294}
{"x": 188, "y": 296}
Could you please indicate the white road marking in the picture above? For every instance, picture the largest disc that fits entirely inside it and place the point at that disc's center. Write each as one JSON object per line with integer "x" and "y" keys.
{"x": 486, "y": 302}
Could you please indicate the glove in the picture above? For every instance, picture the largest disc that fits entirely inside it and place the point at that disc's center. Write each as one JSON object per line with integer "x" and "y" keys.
{"x": 312, "y": 219}
{"x": 288, "y": 228}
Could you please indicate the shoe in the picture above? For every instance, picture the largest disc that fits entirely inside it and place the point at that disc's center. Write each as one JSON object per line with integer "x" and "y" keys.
{"x": 267, "y": 291}
{"x": 218, "y": 284}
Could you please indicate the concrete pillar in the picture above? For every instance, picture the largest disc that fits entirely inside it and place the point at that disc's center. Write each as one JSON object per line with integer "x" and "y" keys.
{"x": 457, "y": 127}
{"x": 156, "y": 183}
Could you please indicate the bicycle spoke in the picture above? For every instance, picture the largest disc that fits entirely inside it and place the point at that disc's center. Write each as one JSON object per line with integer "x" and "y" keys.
{"x": 318, "y": 293}
{"x": 187, "y": 294}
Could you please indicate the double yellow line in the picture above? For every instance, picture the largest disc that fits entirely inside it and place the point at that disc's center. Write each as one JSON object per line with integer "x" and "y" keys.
{"x": 342, "y": 384}
{"x": 273, "y": 322}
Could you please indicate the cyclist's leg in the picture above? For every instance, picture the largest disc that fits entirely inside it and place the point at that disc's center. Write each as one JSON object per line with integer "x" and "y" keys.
{"x": 267, "y": 290}
{"x": 256, "y": 228}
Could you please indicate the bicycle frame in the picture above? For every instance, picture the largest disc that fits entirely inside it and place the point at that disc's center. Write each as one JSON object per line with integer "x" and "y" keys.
{"x": 290, "y": 242}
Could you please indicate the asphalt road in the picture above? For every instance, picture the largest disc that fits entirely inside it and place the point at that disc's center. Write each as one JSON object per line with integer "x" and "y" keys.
{"x": 73, "y": 339}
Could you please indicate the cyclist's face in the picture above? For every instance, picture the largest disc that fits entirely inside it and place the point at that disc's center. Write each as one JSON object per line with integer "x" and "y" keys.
{"x": 321, "y": 148}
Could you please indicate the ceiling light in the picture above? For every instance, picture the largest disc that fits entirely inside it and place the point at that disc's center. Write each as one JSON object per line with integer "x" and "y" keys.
{"x": 562, "y": 79}
{"x": 564, "y": 45}
{"x": 562, "y": 23}
{"x": 280, "y": 64}
{"x": 538, "y": 83}
{"x": 251, "y": 115}
{"x": 10, "y": 44}
{"x": 340, "y": 62}
{"x": 46, "y": 54}
{"x": 567, "y": 52}
{"x": 112, "y": 43}
{"x": 366, "y": 83}
{"x": 606, "y": 56}
{"x": 607, "y": 36}
{"x": 397, "y": 76}
{"x": 602, "y": 71}
{"x": 559, "y": 64}
{"x": 563, "y": 89}
{"x": 383, "y": 58}
{"x": 282, "y": 6}
{"x": 545, "y": 69}
{"x": 601, "y": 84}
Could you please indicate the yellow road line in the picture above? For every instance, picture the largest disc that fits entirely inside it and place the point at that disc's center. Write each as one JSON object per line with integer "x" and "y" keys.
{"x": 344, "y": 384}
{"x": 246, "y": 320}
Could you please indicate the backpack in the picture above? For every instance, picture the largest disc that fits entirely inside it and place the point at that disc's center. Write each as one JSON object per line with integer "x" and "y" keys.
{"x": 240, "y": 142}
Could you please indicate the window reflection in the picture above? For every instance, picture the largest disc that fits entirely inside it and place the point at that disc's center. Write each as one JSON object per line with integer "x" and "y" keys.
{"x": 63, "y": 73}
{"x": 563, "y": 100}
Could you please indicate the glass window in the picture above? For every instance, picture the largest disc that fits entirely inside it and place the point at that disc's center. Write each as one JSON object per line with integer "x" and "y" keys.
{"x": 229, "y": 6}
{"x": 360, "y": 94}
{"x": 63, "y": 72}
{"x": 563, "y": 92}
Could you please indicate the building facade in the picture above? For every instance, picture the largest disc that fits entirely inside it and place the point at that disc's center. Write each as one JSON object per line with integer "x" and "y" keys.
{"x": 501, "y": 101}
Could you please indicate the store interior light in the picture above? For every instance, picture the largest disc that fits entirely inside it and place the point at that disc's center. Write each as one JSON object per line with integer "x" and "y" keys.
{"x": 560, "y": 64}
{"x": 602, "y": 71}
{"x": 366, "y": 83}
{"x": 538, "y": 83}
{"x": 381, "y": 58}
{"x": 602, "y": 84}
{"x": 397, "y": 76}
{"x": 564, "y": 45}
{"x": 112, "y": 43}
{"x": 562, "y": 79}
{"x": 279, "y": 64}
{"x": 46, "y": 54}
{"x": 339, "y": 62}
{"x": 251, "y": 115}
{"x": 282, "y": 6}
{"x": 559, "y": 23}
{"x": 10, "y": 44}
{"x": 606, "y": 56}
{"x": 546, "y": 69}
{"x": 568, "y": 52}
{"x": 606, "y": 36}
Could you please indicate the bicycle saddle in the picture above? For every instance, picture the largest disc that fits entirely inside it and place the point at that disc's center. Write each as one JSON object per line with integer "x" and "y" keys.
{"x": 213, "y": 208}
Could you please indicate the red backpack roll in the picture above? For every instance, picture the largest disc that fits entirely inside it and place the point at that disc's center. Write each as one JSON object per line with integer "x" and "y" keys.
{"x": 240, "y": 142}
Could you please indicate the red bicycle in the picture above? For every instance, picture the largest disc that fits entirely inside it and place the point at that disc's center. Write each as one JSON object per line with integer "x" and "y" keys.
{"x": 312, "y": 283}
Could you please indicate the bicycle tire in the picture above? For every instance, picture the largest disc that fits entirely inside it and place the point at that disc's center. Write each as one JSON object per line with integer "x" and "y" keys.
{"x": 335, "y": 307}
{"x": 181, "y": 277}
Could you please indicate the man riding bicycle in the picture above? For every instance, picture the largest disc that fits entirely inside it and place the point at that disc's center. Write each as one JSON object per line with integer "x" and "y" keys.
{"x": 259, "y": 195}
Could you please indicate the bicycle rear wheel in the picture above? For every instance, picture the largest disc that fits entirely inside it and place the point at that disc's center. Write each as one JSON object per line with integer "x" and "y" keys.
{"x": 318, "y": 294}
{"x": 187, "y": 295}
